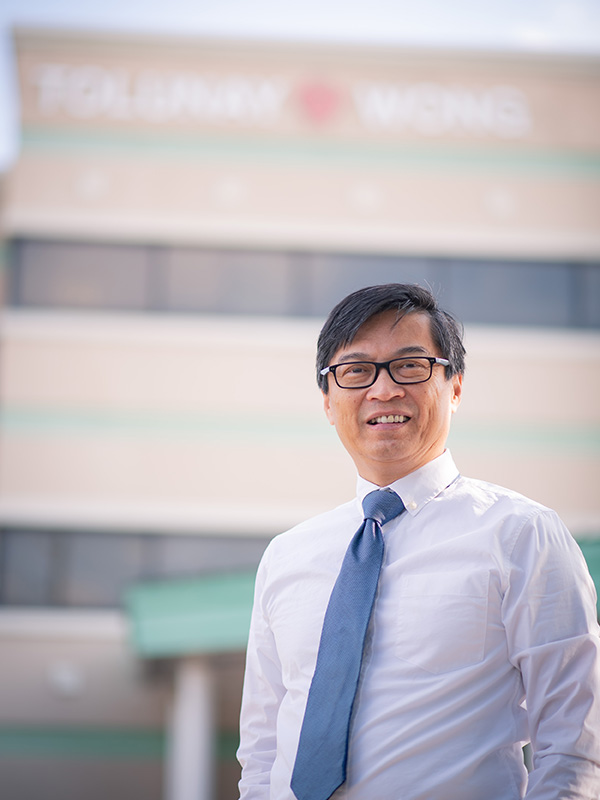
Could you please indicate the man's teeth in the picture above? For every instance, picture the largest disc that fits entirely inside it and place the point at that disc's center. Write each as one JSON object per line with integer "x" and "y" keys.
{"x": 389, "y": 418}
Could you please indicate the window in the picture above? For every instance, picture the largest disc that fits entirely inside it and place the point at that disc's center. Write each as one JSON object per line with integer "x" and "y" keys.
{"x": 152, "y": 278}
{"x": 235, "y": 282}
{"x": 89, "y": 569}
{"x": 82, "y": 276}
{"x": 28, "y": 568}
{"x": 517, "y": 293}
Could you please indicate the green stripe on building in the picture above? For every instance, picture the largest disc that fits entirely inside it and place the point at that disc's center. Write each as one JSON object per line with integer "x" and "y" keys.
{"x": 81, "y": 743}
{"x": 27, "y": 421}
{"x": 84, "y": 743}
{"x": 332, "y": 154}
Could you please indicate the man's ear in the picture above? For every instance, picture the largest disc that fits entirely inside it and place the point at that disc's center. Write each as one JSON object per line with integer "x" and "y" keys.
{"x": 327, "y": 407}
{"x": 457, "y": 383}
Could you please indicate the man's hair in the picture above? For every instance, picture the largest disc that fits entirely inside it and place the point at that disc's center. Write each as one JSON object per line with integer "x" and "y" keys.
{"x": 353, "y": 311}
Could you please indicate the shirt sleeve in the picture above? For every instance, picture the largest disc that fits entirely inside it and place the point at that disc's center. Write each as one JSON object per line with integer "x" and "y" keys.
{"x": 549, "y": 612}
{"x": 262, "y": 694}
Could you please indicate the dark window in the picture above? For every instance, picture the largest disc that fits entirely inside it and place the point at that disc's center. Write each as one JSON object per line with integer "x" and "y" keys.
{"x": 335, "y": 276}
{"x": 99, "y": 568}
{"x": 50, "y": 274}
{"x": 232, "y": 281}
{"x": 586, "y": 307}
{"x": 72, "y": 275}
{"x": 28, "y": 568}
{"x": 509, "y": 293}
{"x": 184, "y": 555}
{"x": 88, "y": 569}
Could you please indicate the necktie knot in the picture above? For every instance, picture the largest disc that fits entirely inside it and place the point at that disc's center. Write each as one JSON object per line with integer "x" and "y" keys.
{"x": 382, "y": 505}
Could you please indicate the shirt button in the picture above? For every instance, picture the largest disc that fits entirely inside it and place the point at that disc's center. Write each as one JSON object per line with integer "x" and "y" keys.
{"x": 412, "y": 505}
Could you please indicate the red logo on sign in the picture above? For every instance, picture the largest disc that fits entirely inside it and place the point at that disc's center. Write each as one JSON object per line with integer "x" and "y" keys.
{"x": 319, "y": 101}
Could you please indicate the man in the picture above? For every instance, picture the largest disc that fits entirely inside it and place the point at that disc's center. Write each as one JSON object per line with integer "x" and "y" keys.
{"x": 482, "y": 633}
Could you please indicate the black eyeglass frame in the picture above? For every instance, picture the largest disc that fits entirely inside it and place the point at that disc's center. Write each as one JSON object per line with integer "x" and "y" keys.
{"x": 381, "y": 364}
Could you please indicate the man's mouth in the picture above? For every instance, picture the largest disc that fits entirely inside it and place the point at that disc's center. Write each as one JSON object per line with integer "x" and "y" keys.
{"x": 387, "y": 419}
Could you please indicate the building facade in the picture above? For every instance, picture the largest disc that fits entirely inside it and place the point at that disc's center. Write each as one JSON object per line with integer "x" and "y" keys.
{"x": 181, "y": 217}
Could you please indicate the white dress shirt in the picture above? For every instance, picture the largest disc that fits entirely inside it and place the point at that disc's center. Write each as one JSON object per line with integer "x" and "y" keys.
{"x": 483, "y": 636}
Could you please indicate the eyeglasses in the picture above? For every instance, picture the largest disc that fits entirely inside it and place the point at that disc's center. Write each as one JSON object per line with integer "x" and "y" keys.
{"x": 362, "y": 374}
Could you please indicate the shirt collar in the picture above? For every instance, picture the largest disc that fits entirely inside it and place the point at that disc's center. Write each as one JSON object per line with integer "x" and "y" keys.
{"x": 420, "y": 486}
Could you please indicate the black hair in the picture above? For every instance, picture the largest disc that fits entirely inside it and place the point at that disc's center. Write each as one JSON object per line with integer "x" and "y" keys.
{"x": 353, "y": 311}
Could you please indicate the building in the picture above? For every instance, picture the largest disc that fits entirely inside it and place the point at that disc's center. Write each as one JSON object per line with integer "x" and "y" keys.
{"x": 181, "y": 217}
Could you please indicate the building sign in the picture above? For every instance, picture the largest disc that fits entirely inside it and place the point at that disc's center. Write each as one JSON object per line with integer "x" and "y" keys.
{"x": 93, "y": 92}
{"x": 342, "y": 94}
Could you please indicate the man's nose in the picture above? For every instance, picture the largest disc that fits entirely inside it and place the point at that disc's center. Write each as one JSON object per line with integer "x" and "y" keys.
{"x": 384, "y": 387}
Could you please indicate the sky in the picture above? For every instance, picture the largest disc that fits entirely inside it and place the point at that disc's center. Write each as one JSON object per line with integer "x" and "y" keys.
{"x": 547, "y": 26}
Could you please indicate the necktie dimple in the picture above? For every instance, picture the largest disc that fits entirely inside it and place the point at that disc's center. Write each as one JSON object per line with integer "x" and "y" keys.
{"x": 320, "y": 766}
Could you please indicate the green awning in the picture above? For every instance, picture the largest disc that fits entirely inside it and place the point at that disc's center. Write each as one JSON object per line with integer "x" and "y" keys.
{"x": 210, "y": 614}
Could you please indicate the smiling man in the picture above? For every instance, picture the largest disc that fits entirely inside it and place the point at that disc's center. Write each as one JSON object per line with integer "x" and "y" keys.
{"x": 407, "y": 644}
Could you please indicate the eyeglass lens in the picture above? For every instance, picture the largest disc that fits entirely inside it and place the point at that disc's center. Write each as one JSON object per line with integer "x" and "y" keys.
{"x": 402, "y": 370}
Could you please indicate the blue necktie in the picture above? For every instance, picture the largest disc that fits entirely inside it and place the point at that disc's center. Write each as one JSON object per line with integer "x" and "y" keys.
{"x": 320, "y": 766}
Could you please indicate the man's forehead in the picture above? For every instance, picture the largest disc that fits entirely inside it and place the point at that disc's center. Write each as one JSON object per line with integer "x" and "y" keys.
{"x": 392, "y": 319}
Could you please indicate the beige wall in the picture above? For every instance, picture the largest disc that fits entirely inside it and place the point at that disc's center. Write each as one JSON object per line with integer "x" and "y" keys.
{"x": 135, "y": 421}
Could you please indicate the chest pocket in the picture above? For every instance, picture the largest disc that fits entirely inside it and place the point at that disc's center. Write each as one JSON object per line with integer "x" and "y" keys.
{"x": 442, "y": 620}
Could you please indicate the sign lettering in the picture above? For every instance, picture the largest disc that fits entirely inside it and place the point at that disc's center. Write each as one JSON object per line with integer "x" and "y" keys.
{"x": 88, "y": 92}
{"x": 428, "y": 109}
{"x": 434, "y": 110}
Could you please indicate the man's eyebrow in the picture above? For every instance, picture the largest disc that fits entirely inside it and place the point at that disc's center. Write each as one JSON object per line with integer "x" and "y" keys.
{"x": 403, "y": 351}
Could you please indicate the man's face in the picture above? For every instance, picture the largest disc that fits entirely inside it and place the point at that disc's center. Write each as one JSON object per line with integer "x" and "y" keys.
{"x": 386, "y": 451}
